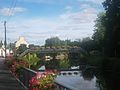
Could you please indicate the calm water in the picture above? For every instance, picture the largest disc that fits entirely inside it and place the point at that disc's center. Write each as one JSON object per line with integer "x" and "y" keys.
{"x": 88, "y": 79}
{"x": 79, "y": 81}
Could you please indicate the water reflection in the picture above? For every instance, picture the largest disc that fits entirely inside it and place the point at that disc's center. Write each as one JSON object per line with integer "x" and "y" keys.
{"x": 88, "y": 74}
{"x": 91, "y": 73}
{"x": 85, "y": 80}
{"x": 105, "y": 79}
{"x": 89, "y": 79}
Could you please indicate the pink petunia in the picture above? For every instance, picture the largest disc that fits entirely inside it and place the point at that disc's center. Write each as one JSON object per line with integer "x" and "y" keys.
{"x": 35, "y": 88}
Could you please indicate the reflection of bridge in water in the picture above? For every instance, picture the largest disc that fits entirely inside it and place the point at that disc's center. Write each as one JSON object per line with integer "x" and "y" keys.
{"x": 45, "y": 51}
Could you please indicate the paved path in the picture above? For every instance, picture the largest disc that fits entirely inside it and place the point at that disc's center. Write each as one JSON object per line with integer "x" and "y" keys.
{"x": 7, "y": 80}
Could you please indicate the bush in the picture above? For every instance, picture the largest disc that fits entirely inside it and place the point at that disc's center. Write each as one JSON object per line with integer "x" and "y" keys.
{"x": 43, "y": 81}
{"x": 15, "y": 65}
{"x": 64, "y": 64}
{"x": 32, "y": 60}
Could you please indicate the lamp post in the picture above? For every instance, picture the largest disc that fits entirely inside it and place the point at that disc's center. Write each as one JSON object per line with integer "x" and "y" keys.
{"x": 5, "y": 38}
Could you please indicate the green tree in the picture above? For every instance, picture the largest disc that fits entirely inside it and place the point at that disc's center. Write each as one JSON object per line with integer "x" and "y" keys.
{"x": 11, "y": 46}
{"x": 32, "y": 59}
{"x": 87, "y": 44}
{"x": 53, "y": 42}
{"x": 64, "y": 64}
{"x": 31, "y": 46}
{"x": 112, "y": 25}
{"x": 21, "y": 49}
{"x": 99, "y": 32}
{"x": 1, "y": 43}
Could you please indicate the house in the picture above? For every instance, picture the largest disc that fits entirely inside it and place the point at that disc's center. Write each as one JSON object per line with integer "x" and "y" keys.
{"x": 21, "y": 41}
{"x": 8, "y": 52}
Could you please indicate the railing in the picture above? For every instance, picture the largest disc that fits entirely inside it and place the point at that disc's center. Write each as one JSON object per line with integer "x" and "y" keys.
{"x": 27, "y": 75}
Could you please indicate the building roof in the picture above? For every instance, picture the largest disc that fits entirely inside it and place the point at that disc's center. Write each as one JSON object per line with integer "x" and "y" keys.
{"x": 21, "y": 41}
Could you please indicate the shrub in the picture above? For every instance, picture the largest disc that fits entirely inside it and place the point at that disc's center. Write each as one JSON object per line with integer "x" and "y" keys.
{"x": 15, "y": 65}
{"x": 43, "y": 81}
{"x": 32, "y": 59}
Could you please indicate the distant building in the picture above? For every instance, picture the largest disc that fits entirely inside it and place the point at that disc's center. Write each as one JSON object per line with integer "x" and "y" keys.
{"x": 8, "y": 52}
{"x": 48, "y": 58}
{"x": 21, "y": 41}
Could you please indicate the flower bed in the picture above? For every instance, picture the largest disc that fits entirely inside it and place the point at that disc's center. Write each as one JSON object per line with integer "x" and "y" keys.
{"x": 43, "y": 81}
{"x": 15, "y": 65}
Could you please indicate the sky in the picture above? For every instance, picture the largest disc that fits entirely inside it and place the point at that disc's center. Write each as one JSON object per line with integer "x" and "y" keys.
{"x": 37, "y": 20}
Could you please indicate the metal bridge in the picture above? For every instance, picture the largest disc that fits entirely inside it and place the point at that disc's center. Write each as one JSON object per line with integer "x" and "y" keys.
{"x": 71, "y": 50}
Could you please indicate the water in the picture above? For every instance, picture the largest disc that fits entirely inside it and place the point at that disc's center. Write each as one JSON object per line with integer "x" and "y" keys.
{"x": 90, "y": 79}
{"x": 77, "y": 81}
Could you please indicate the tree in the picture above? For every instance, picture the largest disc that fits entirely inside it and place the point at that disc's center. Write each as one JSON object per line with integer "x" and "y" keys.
{"x": 112, "y": 25}
{"x": 64, "y": 64}
{"x": 87, "y": 44}
{"x": 32, "y": 60}
{"x": 31, "y": 46}
{"x": 11, "y": 46}
{"x": 53, "y": 63}
{"x": 99, "y": 32}
{"x": 21, "y": 49}
{"x": 53, "y": 42}
{"x": 1, "y": 43}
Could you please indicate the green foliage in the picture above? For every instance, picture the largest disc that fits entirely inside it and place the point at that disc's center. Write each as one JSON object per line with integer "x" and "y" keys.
{"x": 95, "y": 60}
{"x": 52, "y": 64}
{"x": 99, "y": 32}
{"x": 54, "y": 41}
{"x": 76, "y": 59}
{"x": 111, "y": 72}
{"x": 112, "y": 25}
{"x": 1, "y": 43}
{"x": 32, "y": 59}
{"x": 11, "y": 46}
{"x": 32, "y": 46}
{"x": 87, "y": 44}
{"x": 21, "y": 49}
{"x": 64, "y": 64}
{"x": 43, "y": 81}
{"x": 16, "y": 65}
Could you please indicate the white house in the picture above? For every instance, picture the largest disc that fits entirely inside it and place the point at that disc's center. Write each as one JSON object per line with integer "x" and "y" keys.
{"x": 2, "y": 51}
{"x": 21, "y": 41}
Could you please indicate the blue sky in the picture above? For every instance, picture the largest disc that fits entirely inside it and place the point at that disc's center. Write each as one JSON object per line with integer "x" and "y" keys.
{"x": 38, "y": 20}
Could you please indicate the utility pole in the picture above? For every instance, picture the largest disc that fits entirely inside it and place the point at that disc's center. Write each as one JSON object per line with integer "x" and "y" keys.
{"x": 5, "y": 38}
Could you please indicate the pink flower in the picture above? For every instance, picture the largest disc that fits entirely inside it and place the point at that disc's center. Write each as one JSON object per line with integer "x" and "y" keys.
{"x": 34, "y": 81}
{"x": 38, "y": 75}
{"x": 35, "y": 88}
{"x": 43, "y": 80}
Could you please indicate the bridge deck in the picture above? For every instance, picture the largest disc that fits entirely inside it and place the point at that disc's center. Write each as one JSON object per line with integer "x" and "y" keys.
{"x": 7, "y": 80}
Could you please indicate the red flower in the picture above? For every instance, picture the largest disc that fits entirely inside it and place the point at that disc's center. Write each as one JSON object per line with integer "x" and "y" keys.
{"x": 35, "y": 88}
{"x": 43, "y": 81}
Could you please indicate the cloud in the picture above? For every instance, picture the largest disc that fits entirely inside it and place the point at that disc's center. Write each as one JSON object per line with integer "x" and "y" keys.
{"x": 68, "y": 8}
{"x": 70, "y": 24}
{"x": 40, "y": 1}
{"x": 97, "y": 1}
{"x": 85, "y": 6}
{"x": 10, "y": 12}
{"x": 93, "y": 1}
{"x": 38, "y": 31}
{"x": 64, "y": 1}
{"x": 85, "y": 16}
